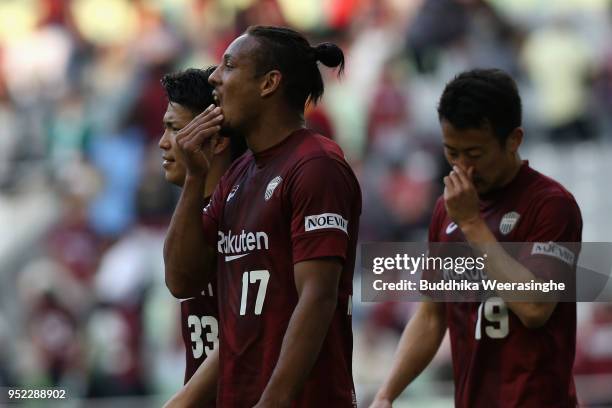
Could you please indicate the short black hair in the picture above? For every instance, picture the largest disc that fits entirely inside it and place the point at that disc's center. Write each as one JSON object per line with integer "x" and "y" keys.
{"x": 190, "y": 88}
{"x": 290, "y": 52}
{"x": 481, "y": 97}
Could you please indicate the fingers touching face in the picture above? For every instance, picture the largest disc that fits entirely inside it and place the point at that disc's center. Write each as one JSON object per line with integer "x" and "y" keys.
{"x": 184, "y": 130}
{"x": 197, "y": 133}
{"x": 478, "y": 154}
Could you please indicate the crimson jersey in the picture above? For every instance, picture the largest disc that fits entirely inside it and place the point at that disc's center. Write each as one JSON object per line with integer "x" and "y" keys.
{"x": 497, "y": 361}
{"x": 199, "y": 327}
{"x": 296, "y": 201}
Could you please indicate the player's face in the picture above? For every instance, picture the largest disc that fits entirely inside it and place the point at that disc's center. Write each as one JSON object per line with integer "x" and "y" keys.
{"x": 175, "y": 118}
{"x": 237, "y": 89}
{"x": 481, "y": 150}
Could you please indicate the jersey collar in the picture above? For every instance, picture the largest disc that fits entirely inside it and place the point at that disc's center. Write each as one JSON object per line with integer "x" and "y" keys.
{"x": 263, "y": 157}
{"x": 512, "y": 188}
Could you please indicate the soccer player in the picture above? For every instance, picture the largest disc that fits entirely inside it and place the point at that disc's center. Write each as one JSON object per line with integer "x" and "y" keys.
{"x": 283, "y": 221}
{"x": 505, "y": 353}
{"x": 189, "y": 94}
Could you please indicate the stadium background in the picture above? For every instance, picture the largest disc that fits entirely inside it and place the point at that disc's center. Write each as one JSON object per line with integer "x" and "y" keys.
{"x": 83, "y": 203}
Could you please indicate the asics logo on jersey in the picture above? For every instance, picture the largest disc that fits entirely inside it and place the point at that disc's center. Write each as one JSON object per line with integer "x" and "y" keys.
{"x": 325, "y": 220}
{"x": 450, "y": 228}
{"x": 232, "y": 193}
{"x": 236, "y": 246}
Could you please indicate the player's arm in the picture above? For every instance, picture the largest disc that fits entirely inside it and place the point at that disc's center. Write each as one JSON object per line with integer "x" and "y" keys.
{"x": 503, "y": 268}
{"x": 187, "y": 256}
{"x": 321, "y": 185}
{"x": 317, "y": 283}
{"x": 417, "y": 347}
{"x": 201, "y": 387}
{"x": 461, "y": 202}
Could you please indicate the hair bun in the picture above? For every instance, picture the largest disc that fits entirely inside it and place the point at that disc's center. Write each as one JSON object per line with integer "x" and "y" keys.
{"x": 330, "y": 55}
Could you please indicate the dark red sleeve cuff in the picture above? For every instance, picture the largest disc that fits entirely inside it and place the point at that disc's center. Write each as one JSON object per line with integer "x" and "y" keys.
{"x": 312, "y": 246}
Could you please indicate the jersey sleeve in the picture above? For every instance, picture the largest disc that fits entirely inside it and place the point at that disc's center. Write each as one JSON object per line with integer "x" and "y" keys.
{"x": 211, "y": 215}
{"x": 433, "y": 274}
{"x": 553, "y": 244}
{"x": 323, "y": 193}
{"x": 436, "y": 221}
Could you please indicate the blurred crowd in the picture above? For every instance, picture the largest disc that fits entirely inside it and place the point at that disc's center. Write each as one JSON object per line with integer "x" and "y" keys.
{"x": 83, "y": 304}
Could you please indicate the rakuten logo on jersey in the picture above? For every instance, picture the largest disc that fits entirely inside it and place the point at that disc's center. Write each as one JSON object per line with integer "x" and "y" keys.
{"x": 236, "y": 246}
{"x": 326, "y": 220}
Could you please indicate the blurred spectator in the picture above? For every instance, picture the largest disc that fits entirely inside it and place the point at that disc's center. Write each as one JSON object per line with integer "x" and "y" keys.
{"x": 603, "y": 91}
{"x": 10, "y": 133}
{"x": 52, "y": 304}
{"x": 118, "y": 157}
{"x": 52, "y": 328}
{"x": 5, "y": 360}
{"x": 68, "y": 132}
{"x": 35, "y": 65}
{"x": 388, "y": 117}
{"x": 318, "y": 120}
{"x": 560, "y": 63}
{"x": 594, "y": 352}
{"x": 72, "y": 242}
{"x": 116, "y": 354}
{"x": 407, "y": 197}
{"x": 438, "y": 24}
{"x": 265, "y": 12}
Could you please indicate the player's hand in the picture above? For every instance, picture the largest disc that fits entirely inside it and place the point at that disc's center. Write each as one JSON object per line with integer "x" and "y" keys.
{"x": 191, "y": 140}
{"x": 460, "y": 197}
{"x": 381, "y": 403}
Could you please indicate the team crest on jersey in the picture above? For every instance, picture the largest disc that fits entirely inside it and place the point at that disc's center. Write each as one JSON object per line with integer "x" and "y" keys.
{"x": 508, "y": 222}
{"x": 232, "y": 193}
{"x": 272, "y": 186}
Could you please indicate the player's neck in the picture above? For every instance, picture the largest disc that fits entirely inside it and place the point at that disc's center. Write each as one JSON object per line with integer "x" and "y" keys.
{"x": 513, "y": 170}
{"x": 271, "y": 129}
{"x": 218, "y": 166}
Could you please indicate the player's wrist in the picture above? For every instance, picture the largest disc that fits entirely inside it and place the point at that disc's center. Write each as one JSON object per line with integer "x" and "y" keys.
{"x": 195, "y": 179}
{"x": 385, "y": 395}
{"x": 385, "y": 400}
{"x": 470, "y": 224}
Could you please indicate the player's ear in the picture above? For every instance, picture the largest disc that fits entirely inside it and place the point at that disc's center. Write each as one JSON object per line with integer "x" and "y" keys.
{"x": 219, "y": 144}
{"x": 270, "y": 83}
{"x": 514, "y": 140}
